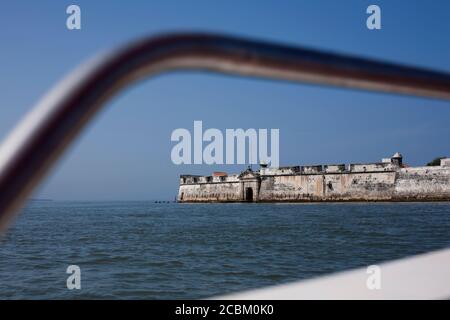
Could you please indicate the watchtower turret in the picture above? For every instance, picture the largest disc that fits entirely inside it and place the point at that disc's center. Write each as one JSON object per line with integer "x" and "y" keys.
{"x": 397, "y": 159}
{"x": 262, "y": 168}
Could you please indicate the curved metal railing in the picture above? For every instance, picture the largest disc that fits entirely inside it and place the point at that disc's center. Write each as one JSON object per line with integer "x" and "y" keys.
{"x": 37, "y": 142}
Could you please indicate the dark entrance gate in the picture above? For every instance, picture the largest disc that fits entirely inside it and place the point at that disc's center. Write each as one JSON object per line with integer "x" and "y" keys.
{"x": 248, "y": 194}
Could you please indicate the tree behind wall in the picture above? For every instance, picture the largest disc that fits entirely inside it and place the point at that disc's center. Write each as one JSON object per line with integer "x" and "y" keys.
{"x": 435, "y": 162}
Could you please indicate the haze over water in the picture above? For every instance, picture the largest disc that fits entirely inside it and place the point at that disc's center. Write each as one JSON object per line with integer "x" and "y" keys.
{"x": 144, "y": 250}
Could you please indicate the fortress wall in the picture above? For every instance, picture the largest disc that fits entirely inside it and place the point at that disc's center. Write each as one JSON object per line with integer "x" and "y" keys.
{"x": 282, "y": 170}
{"x": 291, "y": 188}
{"x": 374, "y": 167}
{"x": 401, "y": 184}
{"x": 225, "y": 191}
{"x": 333, "y": 168}
{"x": 423, "y": 183}
{"x": 329, "y": 187}
{"x": 359, "y": 186}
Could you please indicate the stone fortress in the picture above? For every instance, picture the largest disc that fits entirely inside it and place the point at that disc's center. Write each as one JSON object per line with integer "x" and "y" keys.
{"x": 389, "y": 180}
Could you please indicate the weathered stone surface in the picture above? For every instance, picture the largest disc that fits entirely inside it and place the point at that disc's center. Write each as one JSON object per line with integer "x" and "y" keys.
{"x": 423, "y": 183}
{"x": 358, "y": 182}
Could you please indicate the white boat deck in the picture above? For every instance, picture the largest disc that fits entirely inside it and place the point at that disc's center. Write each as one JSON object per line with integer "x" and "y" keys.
{"x": 425, "y": 276}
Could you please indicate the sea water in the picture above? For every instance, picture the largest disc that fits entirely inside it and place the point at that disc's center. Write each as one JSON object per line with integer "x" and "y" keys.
{"x": 147, "y": 250}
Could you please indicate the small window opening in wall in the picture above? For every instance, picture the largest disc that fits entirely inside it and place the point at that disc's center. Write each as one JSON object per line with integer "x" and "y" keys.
{"x": 330, "y": 185}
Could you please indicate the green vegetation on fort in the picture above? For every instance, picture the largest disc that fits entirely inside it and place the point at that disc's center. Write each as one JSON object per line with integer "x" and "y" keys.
{"x": 435, "y": 162}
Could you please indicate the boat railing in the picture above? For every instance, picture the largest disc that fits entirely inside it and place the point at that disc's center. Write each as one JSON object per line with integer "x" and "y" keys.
{"x": 34, "y": 146}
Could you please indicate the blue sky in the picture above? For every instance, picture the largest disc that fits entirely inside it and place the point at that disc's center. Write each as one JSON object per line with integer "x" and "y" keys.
{"x": 125, "y": 153}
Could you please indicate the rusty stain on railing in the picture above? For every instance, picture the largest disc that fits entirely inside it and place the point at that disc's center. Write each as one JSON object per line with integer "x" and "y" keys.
{"x": 36, "y": 143}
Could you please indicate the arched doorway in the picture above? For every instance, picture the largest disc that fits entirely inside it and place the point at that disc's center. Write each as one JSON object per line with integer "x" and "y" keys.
{"x": 248, "y": 194}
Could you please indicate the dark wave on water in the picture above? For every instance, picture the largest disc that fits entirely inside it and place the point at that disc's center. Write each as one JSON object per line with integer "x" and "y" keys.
{"x": 143, "y": 250}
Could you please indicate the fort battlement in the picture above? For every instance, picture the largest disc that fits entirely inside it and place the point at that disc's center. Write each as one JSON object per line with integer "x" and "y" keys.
{"x": 389, "y": 180}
